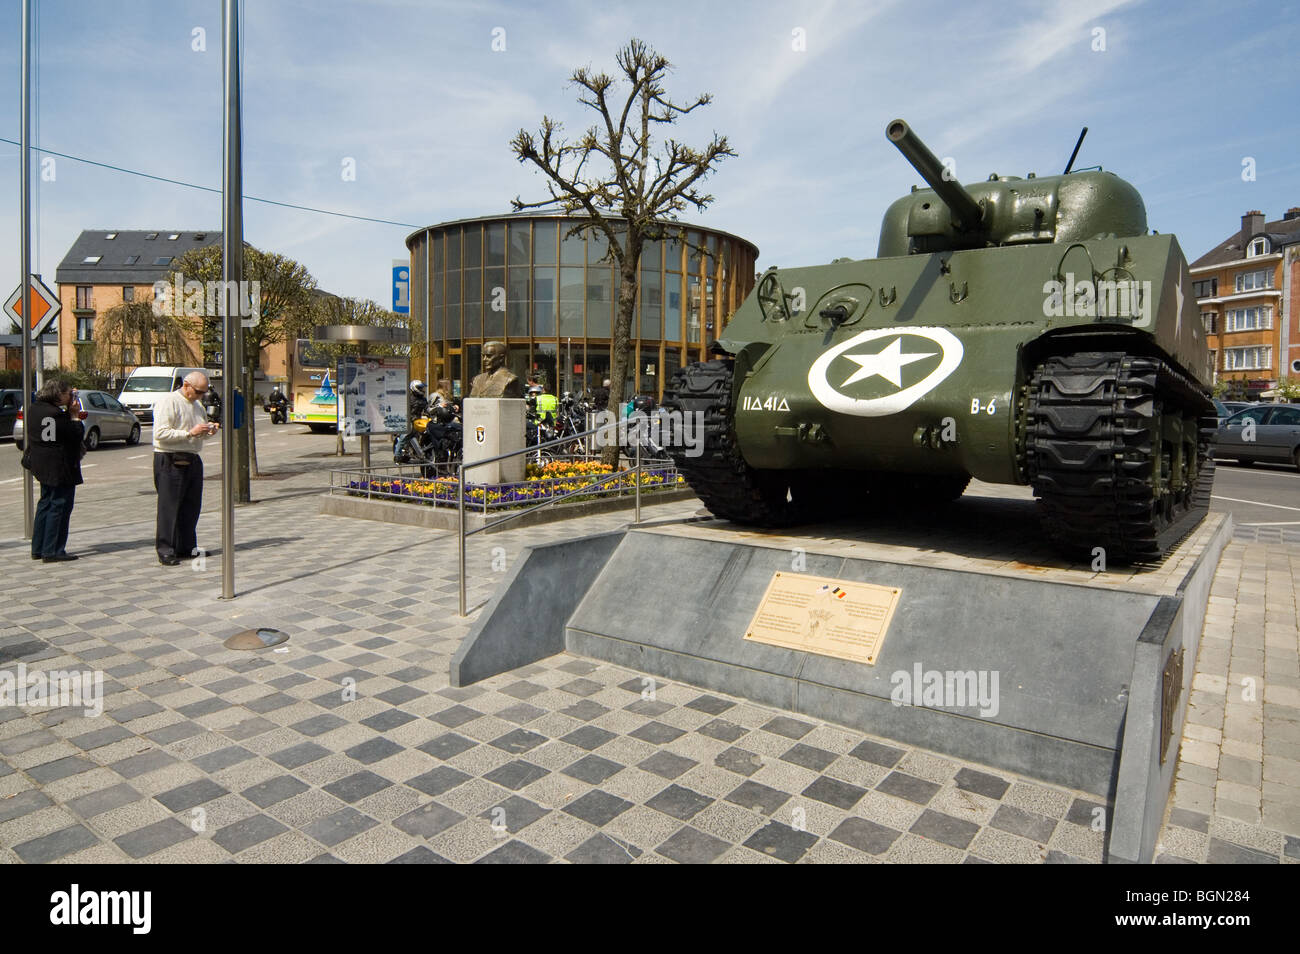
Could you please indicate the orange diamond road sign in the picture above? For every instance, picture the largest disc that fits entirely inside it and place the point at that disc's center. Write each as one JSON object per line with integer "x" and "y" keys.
{"x": 45, "y": 308}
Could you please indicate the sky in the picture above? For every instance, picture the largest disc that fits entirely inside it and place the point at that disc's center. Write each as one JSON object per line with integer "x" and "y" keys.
{"x": 1180, "y": 99}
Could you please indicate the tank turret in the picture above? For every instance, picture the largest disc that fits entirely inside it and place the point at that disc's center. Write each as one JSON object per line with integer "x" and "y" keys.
{"x": 1004, "y": 210}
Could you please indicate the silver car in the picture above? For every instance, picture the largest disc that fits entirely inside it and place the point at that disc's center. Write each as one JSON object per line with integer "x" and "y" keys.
{"x": 1266, "y": 432}
{"x": 104, "y": 417}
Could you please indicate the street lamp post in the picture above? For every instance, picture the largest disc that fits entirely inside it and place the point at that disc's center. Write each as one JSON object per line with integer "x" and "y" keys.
{"x": 25, "y": 243}
{"x": 232, "y": 270}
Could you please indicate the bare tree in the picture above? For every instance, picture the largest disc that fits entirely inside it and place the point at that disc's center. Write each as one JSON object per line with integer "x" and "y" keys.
{"x": 613, "y": 174}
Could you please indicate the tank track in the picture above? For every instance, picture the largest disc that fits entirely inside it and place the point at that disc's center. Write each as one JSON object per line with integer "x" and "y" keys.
{"x": 1094, "y": 425}
{"x": 720, "y": 477}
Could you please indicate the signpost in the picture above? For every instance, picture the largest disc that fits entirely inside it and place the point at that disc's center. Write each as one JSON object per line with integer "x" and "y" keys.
{"x": 45, "y": 308}
{"x": 401, "y": 287}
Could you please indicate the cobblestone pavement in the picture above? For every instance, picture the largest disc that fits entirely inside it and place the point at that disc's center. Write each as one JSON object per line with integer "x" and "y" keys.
{"x": 351, "y": 746}
{"x": 1237, "y": 792}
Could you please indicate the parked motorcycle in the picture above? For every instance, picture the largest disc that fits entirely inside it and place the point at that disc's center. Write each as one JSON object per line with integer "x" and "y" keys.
{"x": 435, "y": 442}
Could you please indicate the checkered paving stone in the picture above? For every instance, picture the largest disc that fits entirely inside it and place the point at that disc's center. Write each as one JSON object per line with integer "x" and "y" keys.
{"x": 348, "y": 745}
{"x": 1236, "y": 796}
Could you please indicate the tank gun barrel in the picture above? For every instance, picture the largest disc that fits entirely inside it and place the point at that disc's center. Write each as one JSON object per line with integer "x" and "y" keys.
{"x": 967, "y": 214}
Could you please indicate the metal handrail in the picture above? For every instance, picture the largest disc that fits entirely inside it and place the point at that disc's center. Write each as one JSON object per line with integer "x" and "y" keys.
{"x": 460, "y": 492}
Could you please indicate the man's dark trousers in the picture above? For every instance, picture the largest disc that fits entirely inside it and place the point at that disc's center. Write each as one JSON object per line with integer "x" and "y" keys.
{"x": 53, "y": 515}
{"x": 180, "y": 499}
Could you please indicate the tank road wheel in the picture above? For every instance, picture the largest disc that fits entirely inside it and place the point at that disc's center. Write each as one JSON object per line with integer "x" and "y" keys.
{"x": 720, "y": 477}
{"x": 1118, "y": 451}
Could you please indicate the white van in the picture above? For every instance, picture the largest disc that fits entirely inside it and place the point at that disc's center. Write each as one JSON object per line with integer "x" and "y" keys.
{"x": 146, "y": 385}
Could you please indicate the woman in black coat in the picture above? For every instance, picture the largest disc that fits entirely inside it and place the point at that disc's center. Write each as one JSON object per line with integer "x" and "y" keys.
{"x": 53, "y": 436}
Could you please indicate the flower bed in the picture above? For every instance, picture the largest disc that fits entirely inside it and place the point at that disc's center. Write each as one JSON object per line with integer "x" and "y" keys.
{"x": 541, "y": 483}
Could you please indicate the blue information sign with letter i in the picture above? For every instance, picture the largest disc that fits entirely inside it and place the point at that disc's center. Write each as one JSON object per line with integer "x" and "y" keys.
{"x": 401, "y": 287}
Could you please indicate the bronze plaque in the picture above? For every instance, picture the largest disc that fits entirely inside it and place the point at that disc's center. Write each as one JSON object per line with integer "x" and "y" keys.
{"x": 839, "y": 618}
{"x": 1171, "y": 689}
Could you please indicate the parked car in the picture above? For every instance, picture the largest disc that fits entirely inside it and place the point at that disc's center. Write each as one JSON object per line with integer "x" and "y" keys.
{"x": 104, "y": 417}
{"x": 1274, "y": 437}
{"x": 11, "y": 402}
{"x": 1234, "y": 406}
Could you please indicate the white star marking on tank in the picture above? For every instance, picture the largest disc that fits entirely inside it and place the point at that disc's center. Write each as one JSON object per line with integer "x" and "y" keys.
{"x": 887, "y": 363}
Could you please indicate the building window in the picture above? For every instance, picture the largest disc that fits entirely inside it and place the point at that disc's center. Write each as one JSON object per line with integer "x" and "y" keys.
{"x": 1249, "y": 281}
{"x": 1258, "y": 247}
{"x": 91, "y": 260}
{"x": 163, "y": 260}
{"x": 128, "y": 356}
{"x": 1207, "y": 288}
{"x": 128, "y": 293}
{"x": 160, "y": 356}
{"x": 1214, "y": 360}
{"x": 85, "y": 329}
{"x": 132, "y": 259}
{"x": 1207, "y": 319}
{"x": 85, "y": 296}
{"x": 1249, "y": 319}
{"x": 1247, "y": 359}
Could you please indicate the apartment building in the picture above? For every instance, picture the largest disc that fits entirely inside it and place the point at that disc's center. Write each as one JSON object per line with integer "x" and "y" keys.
{"x": 1247, "y": 291}
{"x": 106, "y": 267}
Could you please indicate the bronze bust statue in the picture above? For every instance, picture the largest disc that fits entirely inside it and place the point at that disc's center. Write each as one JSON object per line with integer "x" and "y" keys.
{"x": 496, "y": 380}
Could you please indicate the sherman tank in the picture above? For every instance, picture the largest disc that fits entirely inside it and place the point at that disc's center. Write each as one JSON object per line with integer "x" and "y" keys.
{"x": 1018, "y": 330}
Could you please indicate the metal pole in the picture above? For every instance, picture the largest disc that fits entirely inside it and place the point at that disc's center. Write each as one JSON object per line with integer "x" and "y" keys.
{"x": 428, "y": 319}
{"x": 25, "y": 243}
{"x": 460, "y": 536}
{"x": 232, "y": 262}
{"x": 637, "y": 476}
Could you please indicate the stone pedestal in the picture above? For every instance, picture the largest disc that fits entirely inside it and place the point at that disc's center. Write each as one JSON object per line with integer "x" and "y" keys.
{"x": 1082, "y": 685}
{"x": 494, "y": 426}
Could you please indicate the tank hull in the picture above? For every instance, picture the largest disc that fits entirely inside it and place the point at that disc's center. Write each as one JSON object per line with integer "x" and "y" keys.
{"x": 928, "y": 374}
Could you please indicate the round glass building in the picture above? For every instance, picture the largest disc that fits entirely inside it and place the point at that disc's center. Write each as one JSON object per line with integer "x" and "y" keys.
{"x": 538, "y": 283}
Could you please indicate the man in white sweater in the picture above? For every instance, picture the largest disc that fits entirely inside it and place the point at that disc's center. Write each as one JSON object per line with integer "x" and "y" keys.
{"x": 180, "y": 425}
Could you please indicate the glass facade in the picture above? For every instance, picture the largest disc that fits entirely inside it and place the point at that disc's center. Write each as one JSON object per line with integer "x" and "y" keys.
{"x": 547, "y": 286}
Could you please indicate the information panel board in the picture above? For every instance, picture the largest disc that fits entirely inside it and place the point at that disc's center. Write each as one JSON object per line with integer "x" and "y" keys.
{"x": 372, "y": 394}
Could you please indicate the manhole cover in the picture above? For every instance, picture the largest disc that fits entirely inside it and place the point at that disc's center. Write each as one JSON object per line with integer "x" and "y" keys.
{"x": 260, "y": 638}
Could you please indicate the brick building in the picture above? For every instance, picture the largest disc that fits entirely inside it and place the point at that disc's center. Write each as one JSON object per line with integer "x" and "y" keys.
{"x": 104, "y": 268}
{"x": 1247, "y": 288}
